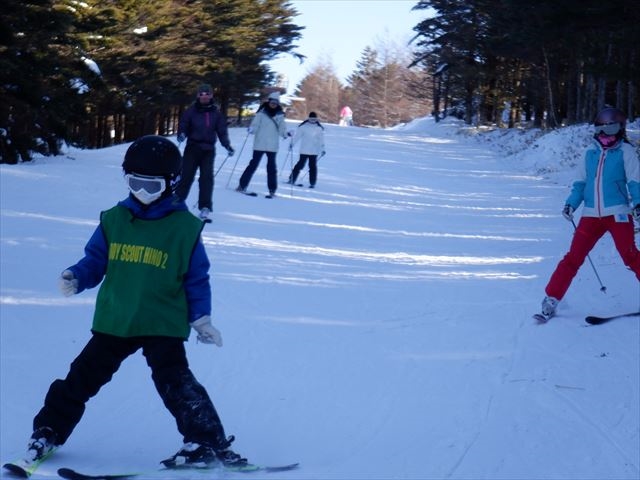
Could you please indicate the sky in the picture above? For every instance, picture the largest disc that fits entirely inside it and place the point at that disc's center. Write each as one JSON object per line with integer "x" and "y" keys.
{"x": 340, "y": 30}
{"x": 375, "y": 327}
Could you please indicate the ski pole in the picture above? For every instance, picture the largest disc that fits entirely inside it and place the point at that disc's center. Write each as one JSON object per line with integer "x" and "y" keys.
{"x": 603, "y": 289}
{"x": 287, "y": 157}
{"x": 237, "y": 158}
{"x": 291, "y": 168}
{"x": 221, "y": 165}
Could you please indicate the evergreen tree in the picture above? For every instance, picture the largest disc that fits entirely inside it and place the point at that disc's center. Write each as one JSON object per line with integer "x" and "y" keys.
{"x": 151, "y": 55}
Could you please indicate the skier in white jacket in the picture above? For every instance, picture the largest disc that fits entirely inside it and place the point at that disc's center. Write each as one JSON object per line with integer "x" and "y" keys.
{"x": 310, "y": 134}
{"x": 268, "y": 127}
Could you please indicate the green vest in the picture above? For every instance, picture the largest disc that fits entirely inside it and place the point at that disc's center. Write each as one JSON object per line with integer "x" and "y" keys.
{"x": 143, "y": 289}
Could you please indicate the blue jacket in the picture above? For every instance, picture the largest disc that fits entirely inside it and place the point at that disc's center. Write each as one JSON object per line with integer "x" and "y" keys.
{"x": 203, "y": 125}
{"x": 91, "y": 269}
{"x": 608, "y": 177}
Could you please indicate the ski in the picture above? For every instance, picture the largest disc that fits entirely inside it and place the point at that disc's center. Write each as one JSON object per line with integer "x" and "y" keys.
{"x": 19, "y": 470}
{"x": 246, "y": 468}
{"x": 249, "y": 194}
{"x": 540, "y": 318}
{"x": 70, "y": 474}
{"x": 593, "y": 320}
{"x": 24, "y": 468}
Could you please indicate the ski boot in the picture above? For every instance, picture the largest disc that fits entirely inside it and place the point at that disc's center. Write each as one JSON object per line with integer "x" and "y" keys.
{"x": 196, "y": 455}
{"x": 191, "y": 455}
{"x": 205, "y": 215}
{"x": 41, "y": 443}
{"x": 549, "y": 305}
{"x": 228, "y": 457}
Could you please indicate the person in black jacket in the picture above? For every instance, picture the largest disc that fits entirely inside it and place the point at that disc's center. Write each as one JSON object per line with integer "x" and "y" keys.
{"x": 201, "y": 124}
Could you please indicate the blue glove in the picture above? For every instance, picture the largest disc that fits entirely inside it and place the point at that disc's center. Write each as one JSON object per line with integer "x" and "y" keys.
{"x": 181, "y": 138}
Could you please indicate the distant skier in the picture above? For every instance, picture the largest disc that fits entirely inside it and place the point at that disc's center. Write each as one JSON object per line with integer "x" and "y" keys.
{"x": 268, "y": 127}
{"x": 310, "y": 134}
{"x": 610, "y": 175}
{"x": 346, "y": 116}
{"x": 156, "y": 288}
{"x": 201, "y": 125}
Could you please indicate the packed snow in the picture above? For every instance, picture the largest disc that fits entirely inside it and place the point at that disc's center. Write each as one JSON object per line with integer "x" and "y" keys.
{"x": 376, "y": 327}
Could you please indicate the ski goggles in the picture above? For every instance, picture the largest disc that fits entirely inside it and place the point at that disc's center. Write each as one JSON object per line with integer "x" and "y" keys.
{"x": 151, "y": 185}
{"x": 608, "y": 128}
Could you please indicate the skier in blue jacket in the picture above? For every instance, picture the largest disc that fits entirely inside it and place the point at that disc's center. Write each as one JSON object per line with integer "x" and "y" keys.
{"x": 609, "y": 178}
{"x": 148, "y": 253}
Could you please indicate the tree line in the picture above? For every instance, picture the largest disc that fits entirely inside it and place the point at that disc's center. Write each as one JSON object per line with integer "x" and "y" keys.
{"x": 97, "y": 73}
{"x": 381, "y": 91}
{"x": 545, "y": 62}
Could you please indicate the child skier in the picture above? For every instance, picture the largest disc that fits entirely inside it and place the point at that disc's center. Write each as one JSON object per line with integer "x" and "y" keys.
{"x": 610, "y": 176}
{"x": 310, "y": 133}
{"x": 156, "y": 287}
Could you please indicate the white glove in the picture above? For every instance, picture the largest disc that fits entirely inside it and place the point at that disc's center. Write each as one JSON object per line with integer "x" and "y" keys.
{"x": 567, "y": 212}
{"x": 207, "y": 333}
{"x": 68, "y": 283}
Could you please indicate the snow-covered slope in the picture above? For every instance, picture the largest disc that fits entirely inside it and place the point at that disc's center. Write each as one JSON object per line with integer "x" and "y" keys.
{"x": 378, "y": 326}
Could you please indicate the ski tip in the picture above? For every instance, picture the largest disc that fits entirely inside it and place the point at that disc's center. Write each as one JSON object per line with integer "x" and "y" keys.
{"x": 16, "y": 470}
{"x": 71, "y": 474}
{"x": 594, "y": 320}
{"x": 541, "y": 319}
{"x": 282, "y": 468}
{"x": 251, "y": 467}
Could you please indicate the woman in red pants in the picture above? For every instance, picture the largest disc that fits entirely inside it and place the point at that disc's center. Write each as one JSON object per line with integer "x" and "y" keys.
{"x": 610, "y": 174}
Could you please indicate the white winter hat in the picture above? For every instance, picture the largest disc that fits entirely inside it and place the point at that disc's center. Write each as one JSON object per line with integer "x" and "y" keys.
{"x": 274, "y": 96}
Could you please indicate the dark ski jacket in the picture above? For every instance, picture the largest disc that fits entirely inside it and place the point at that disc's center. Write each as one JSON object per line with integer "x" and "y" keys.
{"x": 92, "y": 268}
{"x": 203, "y": 125}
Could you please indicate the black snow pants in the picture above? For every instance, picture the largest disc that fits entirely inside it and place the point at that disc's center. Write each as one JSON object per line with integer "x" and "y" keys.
{"x": 183, "y": 396}
{"x": 197, "y": 158}
{"x": 313, "y": 168}
{"x": 272, "y": 170}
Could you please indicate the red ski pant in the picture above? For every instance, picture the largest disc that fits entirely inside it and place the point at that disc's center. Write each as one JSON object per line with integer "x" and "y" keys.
{"x": 588, "y": 232}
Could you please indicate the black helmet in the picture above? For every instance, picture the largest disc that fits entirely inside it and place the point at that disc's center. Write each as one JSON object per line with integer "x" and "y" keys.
{"x": 611, "y": 117}
{"x": 154, "y": 156}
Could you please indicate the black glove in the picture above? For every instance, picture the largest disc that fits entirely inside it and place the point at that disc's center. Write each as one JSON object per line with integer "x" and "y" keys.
{"x": 636, "y": 212}
{"x": 230, "y": 151}
{"x": 181, "y": 138}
